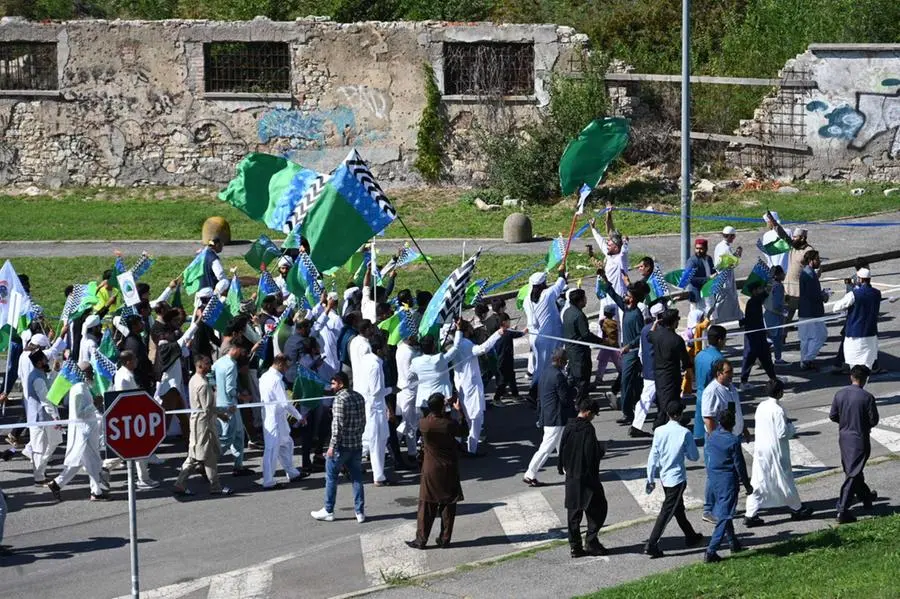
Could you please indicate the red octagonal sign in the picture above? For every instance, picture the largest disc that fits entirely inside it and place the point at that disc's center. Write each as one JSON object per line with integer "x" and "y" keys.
{"x": 135, "y": 425}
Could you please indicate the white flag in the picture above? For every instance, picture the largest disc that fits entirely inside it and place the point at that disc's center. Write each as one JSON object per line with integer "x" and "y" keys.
{"x": 129, "y": 289}
{"x": 14, "y": 300}
{"x": 583, "y": 194}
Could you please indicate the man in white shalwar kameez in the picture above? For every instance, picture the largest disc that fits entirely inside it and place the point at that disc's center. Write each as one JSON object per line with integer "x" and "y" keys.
{"x": 44, "y": 439}
{"x": 615, "y": 263}
{"x": 772, "y": 478}
{"x": 83, "y": 443}
{"x": 368, "y": 381}
{"x": 728, "y": 308}
{"x": 546, "y": 321}
{"x": 469, "y": 384}
{"x": 861, "y": 331}
{"x": 407, "y": 387}
{"x": 279, "y": 446}
{"x": 90, "y": 337}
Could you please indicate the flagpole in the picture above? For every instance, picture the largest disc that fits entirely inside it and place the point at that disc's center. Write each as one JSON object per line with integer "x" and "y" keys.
{"x": 416, "y": 243}
{"x": 571, "y": 234}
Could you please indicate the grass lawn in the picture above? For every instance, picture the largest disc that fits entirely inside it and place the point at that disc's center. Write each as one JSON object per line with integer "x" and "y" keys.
{"x": 173, "y": 213}
{"x": 50, "y": 276}
{"x": 858, "y": 560}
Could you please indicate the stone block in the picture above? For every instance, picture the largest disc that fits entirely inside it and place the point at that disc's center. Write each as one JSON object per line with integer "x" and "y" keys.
{"x": 517, "y": 228}
{"x": 216, "y": 226}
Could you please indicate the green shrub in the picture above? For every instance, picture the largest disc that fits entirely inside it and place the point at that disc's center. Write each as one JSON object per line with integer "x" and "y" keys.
{"x": 432, "y": 131}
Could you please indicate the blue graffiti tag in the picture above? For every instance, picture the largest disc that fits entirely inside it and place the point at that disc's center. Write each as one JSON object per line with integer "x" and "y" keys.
{"x": 816, "y": 106}
{"x": 890, "y": 82}
{"x": 843, "y": 123}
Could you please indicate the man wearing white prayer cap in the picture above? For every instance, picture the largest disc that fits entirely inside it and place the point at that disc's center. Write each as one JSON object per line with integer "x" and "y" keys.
{"x": 83, "y": 441}
{"x": 861, "y": 331}
{"x": 771, "y": 236}
{"x": 284, "y": 267}
{"x": 799, "y": 246}
{"x": 541, "y": 309}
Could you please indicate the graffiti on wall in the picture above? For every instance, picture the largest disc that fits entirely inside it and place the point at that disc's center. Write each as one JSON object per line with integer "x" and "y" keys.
{"x": 873, "y": 115}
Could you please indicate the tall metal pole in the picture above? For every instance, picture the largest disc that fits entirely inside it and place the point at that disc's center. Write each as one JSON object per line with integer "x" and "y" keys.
{"x": 685, "y": 131}
{"x": 132, "y": 532}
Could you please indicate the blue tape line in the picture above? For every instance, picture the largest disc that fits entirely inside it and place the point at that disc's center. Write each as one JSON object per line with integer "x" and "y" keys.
{"x": 744, "y": 219}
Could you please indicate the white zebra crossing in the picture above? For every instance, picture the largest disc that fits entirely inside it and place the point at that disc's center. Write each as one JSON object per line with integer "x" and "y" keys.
{"x": 800, "y": 456}
{"x": 255, "y": 583}
{"x": 528, "y": 519}
{"x": 635, "y": 480}
{"x": 386, "y": 555}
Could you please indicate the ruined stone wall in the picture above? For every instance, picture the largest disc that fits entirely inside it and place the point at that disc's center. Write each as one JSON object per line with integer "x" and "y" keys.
{"x": 131, "y": 108}
{"x": 848, "y": 124}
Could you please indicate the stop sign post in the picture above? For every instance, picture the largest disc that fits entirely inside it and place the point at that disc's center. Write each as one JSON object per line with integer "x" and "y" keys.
{"x": 135, "y": 426}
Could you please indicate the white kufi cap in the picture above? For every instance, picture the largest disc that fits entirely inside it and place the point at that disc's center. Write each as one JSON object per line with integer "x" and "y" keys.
{"x": 40, "y": 340}
{"x": 538, "y": 278}
{"x": 862, "y": 273}
{"x": 729, "y": 230}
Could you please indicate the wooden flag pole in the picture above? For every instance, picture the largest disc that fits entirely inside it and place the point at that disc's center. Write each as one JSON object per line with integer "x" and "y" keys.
{"x": 571, "y": 234}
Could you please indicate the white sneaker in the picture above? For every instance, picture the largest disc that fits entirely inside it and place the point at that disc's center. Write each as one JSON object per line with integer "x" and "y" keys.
{"x": 323, "y": 514}
{"x": 147, "y": 484}
{"x": 360, "y": 517}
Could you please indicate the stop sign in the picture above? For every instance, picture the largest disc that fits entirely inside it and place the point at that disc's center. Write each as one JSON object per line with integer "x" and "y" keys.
{"x": 135, "y": 425}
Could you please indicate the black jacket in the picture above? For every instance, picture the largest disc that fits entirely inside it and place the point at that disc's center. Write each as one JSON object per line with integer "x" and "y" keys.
{"x": 555, "y": 398}
{"x": 670, "y": 359}
{"x": 143, "y": 372}
{"x": 579, "y": 454}
{"x": 575, "y": 327}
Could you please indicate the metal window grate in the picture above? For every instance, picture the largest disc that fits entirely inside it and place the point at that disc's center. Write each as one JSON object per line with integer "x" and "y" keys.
{"x": 488, "y": 68}
{"x": 247, "y": 67}
{"x": 28, "y": 66}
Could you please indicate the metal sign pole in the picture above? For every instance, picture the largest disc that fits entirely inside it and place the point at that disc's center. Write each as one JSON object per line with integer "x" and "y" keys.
{"x": 132, "y": 532}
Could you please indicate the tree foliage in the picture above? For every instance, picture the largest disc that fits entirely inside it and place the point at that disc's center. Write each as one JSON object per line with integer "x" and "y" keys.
{"x": 432, "y": 131}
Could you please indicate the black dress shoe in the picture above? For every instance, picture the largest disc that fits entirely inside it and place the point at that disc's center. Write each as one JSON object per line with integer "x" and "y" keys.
{"x": 415, "y": 545}
{"x": 711, "y": 558}
{"x": 638, "y": 433}
{"x": 867, "y": 501}
{"x": 597, "y": 550}
{"x": 754, "y": 521}
{"x": 802, "y": 514}
{"x": 654, "y": 552}
{"x": 846, "y": 518}
{"x": 54, "y": 490}
{"x": 624, "y": 420}
{"x": 578, "y": 552}
{"x": 242, "y": 472}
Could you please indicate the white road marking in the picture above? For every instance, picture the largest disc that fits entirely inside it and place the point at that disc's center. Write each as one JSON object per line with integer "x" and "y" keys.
{"x": 891, "y": 421}
{"x": 386, "y": 556}
{"x": 813, "y": 424}
{"x": 635, "y": 480}
{"x": 889, "y": 439}
{"x": 528, "y": 519}
{"x": 173, "y": 591}
{"x": 255, "y": 583}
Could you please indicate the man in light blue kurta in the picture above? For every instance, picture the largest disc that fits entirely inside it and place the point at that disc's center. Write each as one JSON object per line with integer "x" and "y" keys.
{"x": 231, "y": 431}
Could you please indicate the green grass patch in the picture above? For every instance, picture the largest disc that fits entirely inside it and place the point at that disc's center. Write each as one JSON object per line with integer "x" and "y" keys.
{"x": 49, "y": 276}
{"x": 858, "y": 560}
{"x": 175, "y": 213}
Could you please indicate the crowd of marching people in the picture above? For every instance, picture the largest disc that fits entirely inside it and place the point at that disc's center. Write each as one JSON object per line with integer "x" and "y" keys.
{"x": 351, "y": 377}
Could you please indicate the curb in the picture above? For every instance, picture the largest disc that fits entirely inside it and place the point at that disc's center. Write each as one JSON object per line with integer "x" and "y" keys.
{"x": 553, "y": 543}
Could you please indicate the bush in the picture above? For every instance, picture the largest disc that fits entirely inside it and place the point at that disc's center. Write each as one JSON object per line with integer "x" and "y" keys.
{"x": 526, "y": 165}
{"x": 432, "y": 131}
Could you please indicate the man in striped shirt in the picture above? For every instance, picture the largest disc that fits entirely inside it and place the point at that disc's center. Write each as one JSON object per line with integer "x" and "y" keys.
{"x": 345, "y": 447}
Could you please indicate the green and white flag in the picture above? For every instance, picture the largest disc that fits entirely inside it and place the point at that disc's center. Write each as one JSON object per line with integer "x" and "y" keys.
{"x": 15, "y": 305}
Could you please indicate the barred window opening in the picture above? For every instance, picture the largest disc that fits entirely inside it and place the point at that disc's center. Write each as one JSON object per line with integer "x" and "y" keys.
{"x": 247, "y": 67}
{"x": 489, "y": 68}
{"x": 28, "y": 66}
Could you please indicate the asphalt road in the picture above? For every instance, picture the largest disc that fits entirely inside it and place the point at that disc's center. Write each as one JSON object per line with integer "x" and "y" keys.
{"x": 264, "y": 544}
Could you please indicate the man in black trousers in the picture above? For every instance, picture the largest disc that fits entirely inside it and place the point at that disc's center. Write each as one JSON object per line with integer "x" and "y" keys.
{"x": 670, "y": 359}
{"x": 579, "y": 457}
{"x": 575, "y": 328}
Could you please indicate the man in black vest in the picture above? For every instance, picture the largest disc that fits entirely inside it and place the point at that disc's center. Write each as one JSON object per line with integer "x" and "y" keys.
{"x": 862, "y": 303}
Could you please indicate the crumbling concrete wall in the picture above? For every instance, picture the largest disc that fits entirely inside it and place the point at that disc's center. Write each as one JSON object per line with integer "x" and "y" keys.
{"x": 130, "y": 108}
{"x": 849, "y": 123}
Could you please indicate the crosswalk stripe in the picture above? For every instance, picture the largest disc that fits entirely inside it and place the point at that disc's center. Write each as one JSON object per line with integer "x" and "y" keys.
{"x": 173, "y": 591}
{"x": 891, "y": 421}
{"x": 635, "y": 480}
{"x": 889, "y": 439}
{"x": 254, "y": 583}
{"x": 386, "y": 555}
{"x": 527, "y": 519}
{"x": 800, "y": 456}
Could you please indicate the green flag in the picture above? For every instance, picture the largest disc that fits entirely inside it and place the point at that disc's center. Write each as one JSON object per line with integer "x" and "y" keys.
{"x": 774, "y": 248}
{"x": 176, "y": 298}
{"x": 108, "y": 347}
{"x": 292, "y": 241}
{"x": 261, "y": 188}
{"x": 69, "y": 375}
{"x": 193, "y": 273}
{"x": 587, "y": 157}
{"x": 234, "y": 298}
{"x": 522, "y": 295}
{"x": 263, "y": 251}
{"x": 308, "y": 385}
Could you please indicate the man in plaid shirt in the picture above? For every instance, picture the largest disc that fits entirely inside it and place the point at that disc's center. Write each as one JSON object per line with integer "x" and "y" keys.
{"x": 345, "y": 448}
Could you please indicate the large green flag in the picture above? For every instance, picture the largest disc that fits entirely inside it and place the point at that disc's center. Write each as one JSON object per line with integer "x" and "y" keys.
{"x": 586, "y": 158}
{"x": 261, "y": 188}
{"x": 193, "y": 273}
{"x": 69, "y": 375}
{"x": 309, "y": 385}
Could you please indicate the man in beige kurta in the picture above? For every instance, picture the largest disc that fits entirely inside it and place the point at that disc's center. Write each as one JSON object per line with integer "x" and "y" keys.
{"x": 203, "y": 442}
